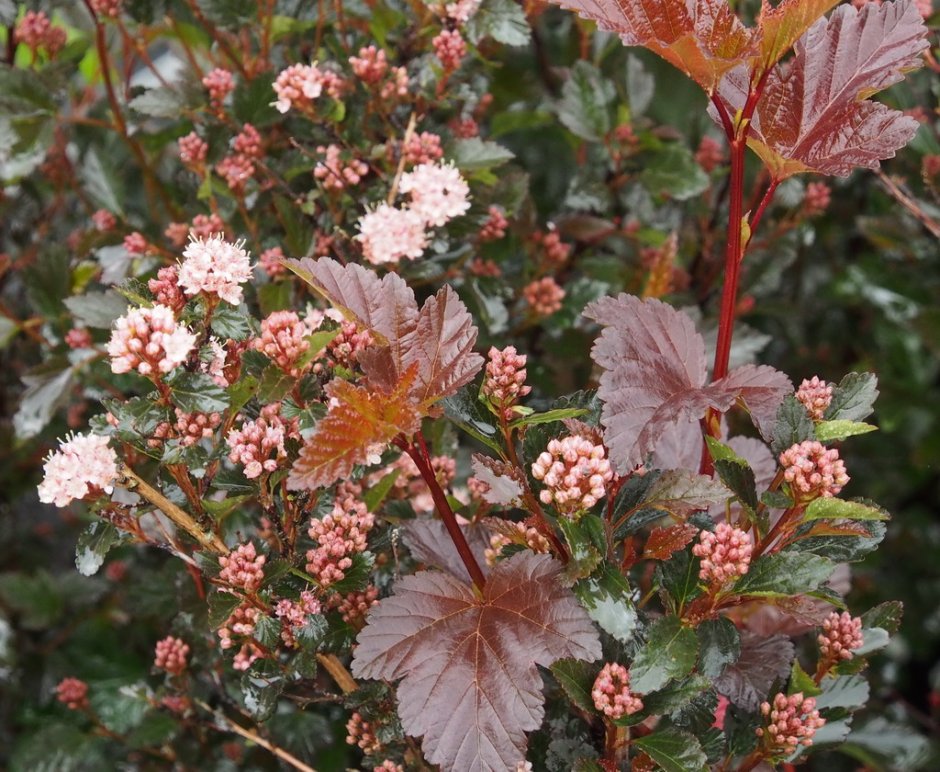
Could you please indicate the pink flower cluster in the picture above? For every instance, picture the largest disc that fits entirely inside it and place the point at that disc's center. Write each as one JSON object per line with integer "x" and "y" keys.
{"x": 73, "y": 693}
{"x": 389, "y": 234}
{"x": 150, "y": 341}
{"x": 349, "y": 341}
{"x": 284, "y": 341}
{"x": 438, "y": 192}
{"x": 78, "y": 337}
{"x": 241, "y": 624}
{"x": 725, "y": 554}
{"x": 575, "y": 472}
{"x": 710, "y": 154}
{"x": 529, "y": 536}
{"x": 136, "y": 243}
{"x": 339, "y": 535}
{"x": 204, "y": 226}
{"x": 817, "y": 198}
{"x": 544, "y": 296}
{"x": 103, "y": 220}
{"x": 243, "y": 568}
{"x": 611, "y": 692}
{"x": 504, "y": 382}
{"x": 371, "y": 67}
{"x": 449, "y": 48}
{"x": 166, "y": 288}
{"x": 170, "y": 655}
{"x": 360, "y": 732}
{"x": 35, "y": 31}
{"x": 841, "y": 633}
{"x": 495, "y": 226}
{"x": 388, "y": 765}
{"x": 256, "y": 441}
{"x": 555, "y": 250}
{"x": 354, "y": 606}
{"x": 300, "y": 84}
{"x": 793, "y": 722}
{"x": 193, "y": 150}
{"x": 83, "y": 466}
{"x": 336, "y": 173}
{"x": 270, "y": 262}
{"x": 423, "y": 148}
{"x": 459, "y": 11}
{"x": 816, "y": 396}
{"x": 293, "y": 615}
{"x": 220, "y": 84}
{"x": 215, "y": 266}
{"x": 813, "y": 470}
{"x": 412, "y": 484}
{"x": 109, "y": 8}
{"x": 236, "y": 170}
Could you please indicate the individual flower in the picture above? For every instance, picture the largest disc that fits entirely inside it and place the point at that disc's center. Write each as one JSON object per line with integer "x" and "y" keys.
{"x": 73, "y": 693}
{"x": 335, "y": 173}
{"x": 543, "y": 296}
{"x": 193, "y": 150}
{"x": 841, "y": 633}
{"x": 150, "y": 341}
{"x": 284, "y": 341}
{"x": 84, "y": 465}
{"x": 388, "y": 234}
{"x": 816, "y": 396}
{"x": 611, "y": 692}
{"x": 725, "y": 553}
{"x": 166, "y": 288}
{"x": 215, "y": 266}
{"x": 338, "y": 536}
{"x": 438, "y": 192}
{"x": 495, "y": 226}
{"x": 359, "y": 732}
{"x": 792, "y": 721}
{"x": 449, "y": 48}
{"x": 170, "y": 655}
{"x": 813, "y": 471}
{"x": 258, "y": 445}
{"x": 575, "y": 472}
{"x": 220, "y": 84}
{"x": 504, "y": 381}
{"x": 243, "y": 568}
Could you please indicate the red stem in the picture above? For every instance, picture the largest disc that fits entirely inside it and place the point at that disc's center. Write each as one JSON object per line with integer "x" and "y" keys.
{"x": 759, "y": 213}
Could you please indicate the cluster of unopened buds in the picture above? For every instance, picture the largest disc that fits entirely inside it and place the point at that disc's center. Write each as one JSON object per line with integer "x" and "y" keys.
{"x": 710, "y": 154}
{"x": 300, "y": 84}
{"x": 150, "y": 341}
{"x": 84, "y": 465}
{"x": 813, "y": 471}
{"x": 575, "y": 472}
{"x": 189, "y": 428}
{"x": 259, "y": 444}
{"x": 556, "y": 252}
{"x": 360, "y": 732}
{"x": 294, "y": 614}
{"x": 270, "y": 262}
{"x": 170, "y": 655}
{"x": 239, "y": 626}
{"x": 841, "y": 634}
{"x": 371, "y": 67}
{"x": 611, "y": 692}
{"x": 283, "y": 340}
{"x": 220, "y": 83}
{"x": 543, "y": 296}
{"x": 422, "y": 148}
{"x": 725, "y": 554}
{"x": 450, "y": 49}
{"x": 193, "y": 150}
{"x": 792, "y": 721}
{"x": 344, "y": 348}
{"x": 412, "y": 485}
{"x": 339, "y": 535}
{"x": 816, "y": 396}
{"x": 504, "y": 382}
{"x": 243, "y": 568}
{"x": 336, "y": 173}
{"x": 495, "y": 226}
{"x": 354, "y": 606}
{"x": 529, "y": 536}
{"x": 35, "y": 31}
{"x": 817, "y": 199}
{"x": 73, "y": 693}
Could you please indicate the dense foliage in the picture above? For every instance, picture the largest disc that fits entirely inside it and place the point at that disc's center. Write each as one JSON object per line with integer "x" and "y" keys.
{"x": 337, "y": 347}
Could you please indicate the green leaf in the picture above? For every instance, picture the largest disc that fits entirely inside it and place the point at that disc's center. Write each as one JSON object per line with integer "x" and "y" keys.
{"x": 197, "y": 393}
{"x": 679, "y": 578}
{"x": 734, "y": 472}
{"x": 801, "y": 681}
{"x": 37, "y": 599}
{"x": 839, "y": 509}
{"x": 230, "y": 322}
{"x": 275, "y": 385}
{"x": 100, "y": 183}
{"x": 832, "y": 431}
{"x": 670, "y": 652}
{"x": 550, "y": 416}
{"x": 586, "y": 100}
{"x": 464, "y": 410}
{"x": 873, "y": 639}
{"x": 120, "y": 706}
{"x": 375, "y": 495}
{"x": 576, "y": 678}
{"x": 676, "y": 696}
{"x": 673, "y": 750}
{"x": 502, "y": 20}
{"x": 260, "y": 695}
{"x": 883, "y": 745}
{"x": 46, "y": 388}
{"x": 475, "y": 154}
{"x": 94, "y": 543}
{"x": 159, "y": 102}
{"x": 240, "y": 393}
{"x": 586, "y": 542}
{"x": 607, "y": 598}
{"x": 672, "y": 171}
{"x": 97, "y": 309}
{"x": 785, "y": 573}
{"x": 849, "y": 691}
{"x": 886, "y": 615}
{"x": 719, "y": 645}
{"x": 854, "y": 398}
{"x": 843, "y": 548}
{"x": 221, "y": 606}
{"x": 793, "y": 425}
{"x": 275, "y": 296}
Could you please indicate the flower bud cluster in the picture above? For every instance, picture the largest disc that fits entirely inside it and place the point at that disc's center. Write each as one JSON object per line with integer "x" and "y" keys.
{"x": 107, "y": 8}
{"x": 816, "y": 396}
{"x": 793, "y": 721}
{"x": 259, "y": 444}
{"x": 337, "y": 174}
{"x": 83, "y": 466}
{"x": 270, "y": 262}
{"x": 73, "y": 693}
{"x": 813, "y": 471}
{"x": 204, "y": 226}
{"x": 710, "y": 154}
{"x": 841, "y": 633}
{"x": 35, "y": 31}
{"x": 388, "y": 765}
{"x": 78, "y": 338}
{"x": 529, "y": 536}
{"x": 150, "y": 341}
{"x": 293, "y": 615}
{"x": 504, "y": 382}
{"x": 136, "y": 243}
{"x": 220, "y": 84}
{"x": 449, "y": 48}
{"x": 349, "y": 341}
{"x": 725, "y": 553}
{"x": 170, "y": 655}
{"x": 360, "y": 732}
{"x": 241, "y": 624}
{"x": 495, "y": 226}
{"x": 284, "y": 341}
{"x": 103, "y": 220}
{"x": 193, "y": 150}
{"x": 354, "y": 606}
{"x": 214, "y": 266}
{"x": 611, "y": 692}
{"x": 543, "y": 296}
{"x": 555, "y": 250}
{"x": 339, "y": 535}
{"x": 300, "y": 84}
{"x": 817, "y": 199}
{"x": 423, "y": 148}
{"x": 166, "y": 289}
{"x": 412, "y": 484}
{"x": 575, "y": 472}
{"x": 243, "y": 568}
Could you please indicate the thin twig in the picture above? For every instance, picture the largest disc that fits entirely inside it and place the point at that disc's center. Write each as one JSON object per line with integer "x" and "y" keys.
{"x": 909, "y": 203}
{"x": 401, "y": 161}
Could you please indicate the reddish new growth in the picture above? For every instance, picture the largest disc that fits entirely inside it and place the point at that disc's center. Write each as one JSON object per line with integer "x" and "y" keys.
{"x": 337, "y": 173}
{"x": 220, "y": 84}
{"x": 284, "y": 341}
{"x": 575, "y": 472}
{"x": 73, "y": 693}
{"x": 495, "y": 226}
{"x": 792, "y": 722}
{"x": 193, "y": 150}
{"x": 529, "y": 536}
{"x": 360, "y": 732}
{"x": 813, "y": 471}
{"x": 241, "y": 624}
{"x": 170, "y": 655}
{"x": 293, "y": 615}
{"x": 817, "y": 199}
{"x": 243, "y": 568}
{"x": 339, "y": 535}
{"x": 259, "y": 444}
{"x": 725, "y": 554}
{"x": 150, "y": 341}
{"x": 35, "y": 31}
{"x": 450, "y": 49}
{"x": 841, "y": 633}
{"x": 815, "y": 395}
{"x": 544, "y": 296}
{"x": 611, "y": 692}
{"x": 504, "y": 382}
{"x": 354, "y": 606}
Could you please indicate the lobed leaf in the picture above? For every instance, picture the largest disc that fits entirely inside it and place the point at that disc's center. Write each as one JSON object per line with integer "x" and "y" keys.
{"x": 673, "y": 750}
{"x": 747, "y": 681}
{"x": 670, "y": 652}
{"x": 429, "y": 542}
{"x": 781, "y": 26}
{"x": 467, "y": 664}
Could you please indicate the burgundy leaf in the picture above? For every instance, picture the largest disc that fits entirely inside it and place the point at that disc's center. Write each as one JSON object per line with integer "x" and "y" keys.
{"x": 441, "y": 347}
{"x": 759, "y": 387}
{"x": 763, "y": 660}
{"x": 681, "y": 492}
{"x": 429, "y": 542}
{"x": 815, "y": 115}
{"x": 703, "y": 38}
{"x": 781, "y": 26}
{"x": 467, "y": 664}
{"x": 504, "y": 481}
{"x": 662, "y": 542}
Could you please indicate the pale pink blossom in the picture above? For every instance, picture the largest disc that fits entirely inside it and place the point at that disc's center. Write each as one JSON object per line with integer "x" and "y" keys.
{"x": 136, "y": 243}
{"x": 84, "y": 465}
{"x": 150, "y": 341}
{"x": 575, "y": 472}
{"x": 725, "y": 554}
{"x": 258, "y": 445}
{"x": 710, "y": 154}
{"x": 438, "y": 192}
{"x": 460, "y": 11}
{"x": 300, "y": 84}
{"x": 816, "y": 396}
{"x": 388, "y": 234}
{"x": 817, "y": 199}
{"x": 841, "y": 633}
{"x": 78, "y": 338}
{"x": 388, "y": 765}
{"x": 170, "y": 655}
{"x": 792, "y": 721}
{"x": 215, "y": 266}
{"x": 284, "y": 341}
{"x": 243, "y": 568}
{"x": 611, "y": 692}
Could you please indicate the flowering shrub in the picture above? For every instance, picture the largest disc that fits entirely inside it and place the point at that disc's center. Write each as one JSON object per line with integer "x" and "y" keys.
{"x": 265, "y": 249}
